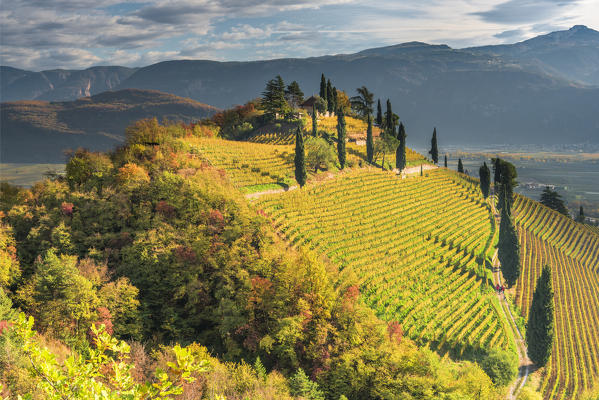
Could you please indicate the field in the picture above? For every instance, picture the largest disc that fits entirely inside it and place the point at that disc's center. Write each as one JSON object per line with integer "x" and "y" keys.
{"x": 572, "y": 252}
{"x": 416, "y": 246}
{"x": 27, "y": 174}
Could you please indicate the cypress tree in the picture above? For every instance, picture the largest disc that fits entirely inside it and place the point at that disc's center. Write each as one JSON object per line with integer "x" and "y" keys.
{"x": 335, "y": 101}
{"x": 389, "y": 118}
{"x": 460, "y": 166}
{"x": 539, "y": 334}
{"x": 379, "y": 114}
{"x": 323, "y": 89}
{"x": 421, "y": 170}
{"x": 580, "y": 217}
{"x": 341, "y": 138}
{"x": 496, "y": 170}
{"x": 369, "y": 141}
{"x": 300, "y": 159}
{"x": 485, "y": 179}
{"x": 314, "y": 122}
{"x": 508, "y": 248}
{"x": 434, "y": 152}
{"x": 445, "y": 160}
{"x": 400, "y": 155}
{"x": 507, "y": 181}
{"x": 330, "y": 100}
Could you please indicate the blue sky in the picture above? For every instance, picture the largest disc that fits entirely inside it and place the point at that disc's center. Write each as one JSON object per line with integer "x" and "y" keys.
{"x": 46, "y": 34}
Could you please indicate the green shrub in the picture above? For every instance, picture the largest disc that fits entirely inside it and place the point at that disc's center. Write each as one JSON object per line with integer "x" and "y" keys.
{"x": 501, "y": 366}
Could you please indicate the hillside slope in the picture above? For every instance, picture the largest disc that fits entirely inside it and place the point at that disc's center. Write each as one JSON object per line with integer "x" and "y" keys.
{"x": 572, "y": 251}
{"x": 39, "y": 131}
{"x": 419, "y": 258}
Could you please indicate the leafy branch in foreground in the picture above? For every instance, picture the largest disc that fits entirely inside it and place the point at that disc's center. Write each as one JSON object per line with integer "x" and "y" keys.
{"x": 104, "y": 373}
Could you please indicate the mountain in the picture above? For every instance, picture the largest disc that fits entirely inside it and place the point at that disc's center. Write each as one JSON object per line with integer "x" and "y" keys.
{"x": 58, "y": 84}
{"x": 39, "y": 131}
{"x": 573, "y": 54}
{"x": 473, "y": 96}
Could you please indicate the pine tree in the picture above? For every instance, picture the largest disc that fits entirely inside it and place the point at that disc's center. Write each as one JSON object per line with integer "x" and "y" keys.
{"x": 539, "y": 334}
{"x": 273, "y": 98}
{"x": 445, "y": 161}
{"x": 508, "y": 248}
{"x": 330, "y": 101}
{"x": 553, "y": 200}
{"x": 485, "y": 179}
{"x": 300, "y": 158}
{"x": 434, "y": 152}
{"x": 323, "y": 90}
{"x": 400, "y": 155}
{"x": 369, "y": 141}
{"x": 379, "y": 114}
{"x": 341, "y": 138}
{"x": 294, "y": 95}
{"x": 460, "y": 166}
{"x": 580, "y": 217}
{"x": 314, "y": 121}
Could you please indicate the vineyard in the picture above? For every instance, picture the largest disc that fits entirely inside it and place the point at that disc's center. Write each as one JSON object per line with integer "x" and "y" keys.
{"x": 417, "y": 248}
{"x": 572, "y": 252}
{"x": 248, "y": 164}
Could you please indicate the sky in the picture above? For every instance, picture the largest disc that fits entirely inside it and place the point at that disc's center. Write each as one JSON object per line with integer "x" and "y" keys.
{"x": 75, "y": 34}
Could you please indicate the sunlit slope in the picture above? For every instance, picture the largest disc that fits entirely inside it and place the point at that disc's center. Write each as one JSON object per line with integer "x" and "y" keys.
{"x": 417, "y": 247}
{"x": 572, "y": 251}
{"x": 248, "y": 164}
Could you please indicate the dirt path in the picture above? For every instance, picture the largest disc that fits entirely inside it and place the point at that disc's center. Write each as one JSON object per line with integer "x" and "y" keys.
{"x": 415, "y": 170}
{"x": 271, "y": 191}
{"x": 524, "y": 363}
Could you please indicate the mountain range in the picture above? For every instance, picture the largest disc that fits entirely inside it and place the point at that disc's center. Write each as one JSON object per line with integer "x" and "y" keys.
{"x": 544, "y": 90}
{"x": 40, "y": 131}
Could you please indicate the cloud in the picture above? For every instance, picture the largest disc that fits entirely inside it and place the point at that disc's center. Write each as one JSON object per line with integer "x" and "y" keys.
{"x": 40, "y": 34}
{"x": 524, "y": 11}
{"x": 510, "y": 34}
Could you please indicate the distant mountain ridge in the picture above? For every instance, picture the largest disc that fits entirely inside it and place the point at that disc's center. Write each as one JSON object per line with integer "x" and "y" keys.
{"x": 573, "y": 54}
{"x": 39, "y": 131}
{"x": 523, "y": 93}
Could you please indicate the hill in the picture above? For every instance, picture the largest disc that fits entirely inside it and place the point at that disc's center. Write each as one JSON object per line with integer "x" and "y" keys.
{"x": 39, "y": 131}
{"x": 474, "y": 96}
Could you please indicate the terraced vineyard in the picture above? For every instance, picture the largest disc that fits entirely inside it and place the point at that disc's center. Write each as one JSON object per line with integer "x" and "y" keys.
{"x": 248, "y": 164}
{"x": 417, "y": 247}
{"x": 572, "y": 251}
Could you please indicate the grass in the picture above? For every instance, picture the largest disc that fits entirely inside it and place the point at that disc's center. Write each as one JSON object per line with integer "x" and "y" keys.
{"x": 27, "y": 174}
